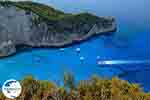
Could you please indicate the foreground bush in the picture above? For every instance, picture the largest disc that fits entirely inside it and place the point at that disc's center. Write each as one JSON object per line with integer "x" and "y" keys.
{"x": 93, "y": 89}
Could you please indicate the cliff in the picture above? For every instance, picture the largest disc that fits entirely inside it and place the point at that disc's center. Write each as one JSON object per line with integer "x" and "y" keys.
{"x": 37, "y": 25}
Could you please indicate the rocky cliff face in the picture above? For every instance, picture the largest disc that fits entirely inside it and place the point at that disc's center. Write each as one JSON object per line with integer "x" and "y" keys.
{"x": 19, "y": 27}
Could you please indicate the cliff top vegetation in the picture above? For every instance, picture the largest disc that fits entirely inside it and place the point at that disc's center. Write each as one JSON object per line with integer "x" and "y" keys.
{"x": 92, "y": 89}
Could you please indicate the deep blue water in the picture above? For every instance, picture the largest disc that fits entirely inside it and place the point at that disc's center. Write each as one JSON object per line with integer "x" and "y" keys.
{"x": 130, "y": 42}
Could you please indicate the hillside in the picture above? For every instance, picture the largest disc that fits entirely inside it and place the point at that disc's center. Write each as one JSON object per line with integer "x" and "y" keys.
{"x": 42, "y": 25}
{"x": 49, "y": 13}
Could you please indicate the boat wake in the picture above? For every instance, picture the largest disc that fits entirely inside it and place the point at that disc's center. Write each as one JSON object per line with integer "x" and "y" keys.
{"x": 121, "y": 62}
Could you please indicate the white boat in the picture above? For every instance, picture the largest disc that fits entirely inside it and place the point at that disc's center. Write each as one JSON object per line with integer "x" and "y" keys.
{"x": 81, "y": 58}
{"x": 62, "y": 49}
{"x": 101, "y": 62}
{"x": 98, "y": 57}
{"x": 78, "y": 49}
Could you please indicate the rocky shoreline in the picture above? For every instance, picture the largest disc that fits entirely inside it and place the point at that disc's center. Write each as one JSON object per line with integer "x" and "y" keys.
{"x": 18, "y": 27}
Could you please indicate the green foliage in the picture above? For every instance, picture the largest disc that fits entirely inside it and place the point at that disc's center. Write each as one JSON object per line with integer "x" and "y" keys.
{"x": 58, "y": 20}
{"x": 48, "y": 13}
{"x": 69, "y": 80}
{"x": 44, "y": 11}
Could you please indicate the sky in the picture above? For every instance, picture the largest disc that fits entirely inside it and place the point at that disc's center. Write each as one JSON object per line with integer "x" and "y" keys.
{"x": 138, "y": 8}
{"x": 131, "y": 8}
{"x": 135, "y": 11}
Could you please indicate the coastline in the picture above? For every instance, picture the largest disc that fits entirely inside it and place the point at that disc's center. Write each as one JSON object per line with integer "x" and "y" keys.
{"x": 25, "y": 47}
{"x": 31, "y": 31}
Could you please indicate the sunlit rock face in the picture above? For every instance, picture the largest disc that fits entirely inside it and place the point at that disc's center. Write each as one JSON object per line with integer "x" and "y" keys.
{"x": 18, "y": 27}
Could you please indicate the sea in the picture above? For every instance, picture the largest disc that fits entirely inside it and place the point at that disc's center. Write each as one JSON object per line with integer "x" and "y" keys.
{"x": 130, "y": 43}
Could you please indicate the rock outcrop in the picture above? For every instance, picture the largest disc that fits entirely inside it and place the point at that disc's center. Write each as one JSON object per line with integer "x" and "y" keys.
{"x": 22, "y": 27}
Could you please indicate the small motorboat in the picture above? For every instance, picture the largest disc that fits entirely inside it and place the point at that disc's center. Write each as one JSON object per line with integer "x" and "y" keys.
{"x": 61, "y": 49}
{"x": 101, "y": 62}
{"x": 98, "y": 57}
{"x": 78, "y": 50}
{"x": 82, "y": 58}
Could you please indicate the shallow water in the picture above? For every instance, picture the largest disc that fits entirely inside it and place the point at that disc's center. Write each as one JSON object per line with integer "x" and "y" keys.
{"x": 130, "y": 42}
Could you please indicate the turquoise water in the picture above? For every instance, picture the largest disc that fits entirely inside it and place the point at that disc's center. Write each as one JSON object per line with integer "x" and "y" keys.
{"x": 50, "y": 64}
{"x": 130, "y": 42}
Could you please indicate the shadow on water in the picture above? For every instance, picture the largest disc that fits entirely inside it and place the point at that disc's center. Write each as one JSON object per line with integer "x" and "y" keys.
{"x": 26, "y": 48}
